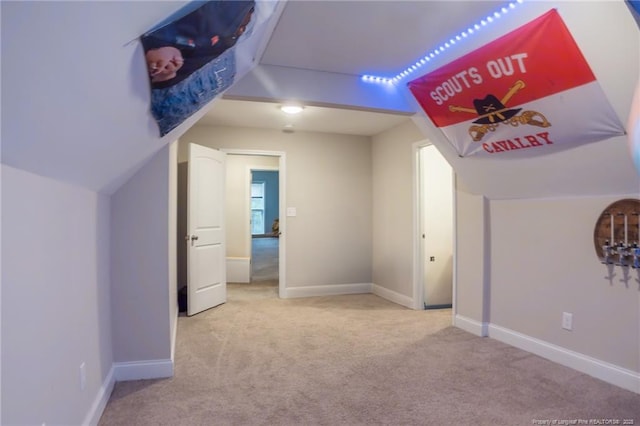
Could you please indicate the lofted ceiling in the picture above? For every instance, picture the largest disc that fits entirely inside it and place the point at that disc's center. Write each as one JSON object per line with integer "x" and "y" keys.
{"x": 75, "y": 91}
{"x": 349, "y": 38}
{"x": 314, "y": 39}
{"x": 360, "y": 37}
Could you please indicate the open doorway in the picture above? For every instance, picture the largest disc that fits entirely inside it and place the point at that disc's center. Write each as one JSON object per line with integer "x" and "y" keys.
{"x": 436, "y": 223}
{"x": 265, "y": 225}
{"x": 255, "y": 226}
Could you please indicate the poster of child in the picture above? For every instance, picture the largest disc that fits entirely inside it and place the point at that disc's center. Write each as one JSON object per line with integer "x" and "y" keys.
{"x": 190, "y": 60}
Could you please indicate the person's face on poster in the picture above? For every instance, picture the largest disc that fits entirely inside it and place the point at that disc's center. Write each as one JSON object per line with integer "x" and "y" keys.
{"x": 164, "y": 63}
{"x": 179, "y": 48}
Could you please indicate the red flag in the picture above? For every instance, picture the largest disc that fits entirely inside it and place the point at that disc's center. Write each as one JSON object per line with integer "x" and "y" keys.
{"x": 530, "y": 88}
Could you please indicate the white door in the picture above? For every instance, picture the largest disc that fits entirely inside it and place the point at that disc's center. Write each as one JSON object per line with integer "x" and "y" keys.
{"x": 437, "y": 227}
{"x": 206, "y": 252}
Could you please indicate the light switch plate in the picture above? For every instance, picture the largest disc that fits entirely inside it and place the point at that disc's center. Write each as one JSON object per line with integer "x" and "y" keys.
{"x": 567, "y": 321}
{"x": 291, "y": 212}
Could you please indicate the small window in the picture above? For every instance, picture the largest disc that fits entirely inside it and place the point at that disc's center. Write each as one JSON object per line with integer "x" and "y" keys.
{"x": 257, "y": 208}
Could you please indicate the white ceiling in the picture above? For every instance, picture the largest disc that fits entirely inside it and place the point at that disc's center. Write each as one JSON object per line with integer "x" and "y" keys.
{"x": 267, "y": 115}
{"x": 365, "y": 37}
{"x": 349, "y": 37}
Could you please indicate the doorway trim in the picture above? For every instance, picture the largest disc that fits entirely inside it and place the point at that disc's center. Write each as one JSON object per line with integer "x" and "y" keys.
{"x": 282, "y": 175}
{"x": 418, "y": 255}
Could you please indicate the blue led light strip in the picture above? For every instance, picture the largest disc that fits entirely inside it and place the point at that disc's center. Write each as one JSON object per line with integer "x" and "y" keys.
{"x": 434, "y": 53}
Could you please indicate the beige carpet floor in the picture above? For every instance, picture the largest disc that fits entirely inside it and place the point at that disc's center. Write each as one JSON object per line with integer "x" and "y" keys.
{"x": 354, "y": 360}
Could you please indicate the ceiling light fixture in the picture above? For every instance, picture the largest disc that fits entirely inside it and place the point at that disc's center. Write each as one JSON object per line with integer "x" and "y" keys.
{"x": 291, "y": 109}
{"x": 429, "y": 56}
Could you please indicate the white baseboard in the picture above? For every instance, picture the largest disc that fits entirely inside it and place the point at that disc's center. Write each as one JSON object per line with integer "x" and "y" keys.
{"x": 392, "y": 296}
{"x": 104, "y": 393}
{"x": 238, "y": 269}
{"x": 327, "y": 290}
{"x": 602, "y": 370}
{"x": 472, "y": 326}
{"x": 137, "y": 370}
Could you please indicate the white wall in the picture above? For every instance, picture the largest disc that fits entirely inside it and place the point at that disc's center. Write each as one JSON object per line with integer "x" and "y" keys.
{"x": 522, "y": 263}
{"x": 393, "y": 190}
{"x": 55, "y": 309}
{"x": 140, "y": 251}
{"x": 473, "y": 260}
{"x": 329, "y": 182}
{"x": 544, "y": 263}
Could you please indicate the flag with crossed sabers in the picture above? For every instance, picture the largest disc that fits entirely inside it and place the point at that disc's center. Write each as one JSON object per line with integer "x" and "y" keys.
{"x": 520, "y": 95}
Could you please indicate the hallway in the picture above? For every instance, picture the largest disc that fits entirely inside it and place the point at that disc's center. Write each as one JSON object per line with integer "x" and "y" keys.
{"x": 264, "y": 259}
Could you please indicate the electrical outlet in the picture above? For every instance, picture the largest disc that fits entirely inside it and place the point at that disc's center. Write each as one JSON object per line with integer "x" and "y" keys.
{"x": 567, "y": 321}
{"x": 83, "y": 376}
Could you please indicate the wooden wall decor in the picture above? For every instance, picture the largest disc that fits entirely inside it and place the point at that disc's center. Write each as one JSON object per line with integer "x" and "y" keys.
{"x": 617, "y": 233}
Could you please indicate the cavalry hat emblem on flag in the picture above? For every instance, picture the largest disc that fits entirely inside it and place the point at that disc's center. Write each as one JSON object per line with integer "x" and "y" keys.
{"x": 492, "y": 111}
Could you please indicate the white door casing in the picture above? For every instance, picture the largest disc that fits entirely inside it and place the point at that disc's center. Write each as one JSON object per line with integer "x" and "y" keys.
{"x": 206, "y": 252}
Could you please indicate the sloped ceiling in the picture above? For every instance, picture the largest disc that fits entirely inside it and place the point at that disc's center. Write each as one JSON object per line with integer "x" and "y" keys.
{"x": 75, "y": 92}
{"x": 604, "y": 30}
{"x": 75, "y": 97}
{"x": 360, "y": 37}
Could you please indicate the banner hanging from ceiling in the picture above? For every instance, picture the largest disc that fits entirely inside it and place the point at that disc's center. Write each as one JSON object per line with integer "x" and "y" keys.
{"x": 191, "y": 59}
{"x": 527, "y": 93}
